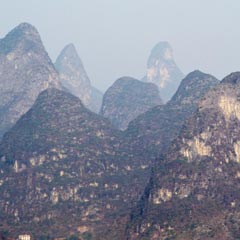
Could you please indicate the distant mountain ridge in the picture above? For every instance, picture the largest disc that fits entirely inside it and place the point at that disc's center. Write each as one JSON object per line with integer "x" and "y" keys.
{"x": 126, "y": 99}
{"x": 163, "y": 71}
{"x": 75, "y": 79}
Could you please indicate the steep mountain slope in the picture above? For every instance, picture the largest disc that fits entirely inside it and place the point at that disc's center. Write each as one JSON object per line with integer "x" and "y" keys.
{"x": 195, "y": 191}
{"x": 64, "y": 170}
{"x": 25, "y": 70}
{"x": 75, "y": 79}
{"x": 154, "y": 130}
{"x": 96, "y": 100}
{"x": 126, "y": 99}
{"x": 72, "y": 74}
{"x": 163, "y": 71}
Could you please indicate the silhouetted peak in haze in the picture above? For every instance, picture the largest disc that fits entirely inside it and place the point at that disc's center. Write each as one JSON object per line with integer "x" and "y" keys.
{"x": 163, "y": 71}
{"x": 74, "y": 78}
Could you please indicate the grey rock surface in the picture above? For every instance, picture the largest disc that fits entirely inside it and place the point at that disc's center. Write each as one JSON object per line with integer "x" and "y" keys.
{"x": 74, "y": 78}
{"x": 25, "y": 71}
{"x": 126, "y": 99}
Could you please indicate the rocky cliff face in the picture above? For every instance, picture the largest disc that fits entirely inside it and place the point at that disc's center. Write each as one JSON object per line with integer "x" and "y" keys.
{"x": 155, "y": 129}
{"x": 25, "y": 70}
{"x": 64, "y": 170}
{"x": 126, "y": 99}
{"x": 194, "y": 193}
{"x": 163, "y": 71}
{"x": 75, "y": 79}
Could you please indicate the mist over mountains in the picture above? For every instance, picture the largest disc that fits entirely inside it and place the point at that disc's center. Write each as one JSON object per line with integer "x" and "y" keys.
{"x": 151, "y": 158}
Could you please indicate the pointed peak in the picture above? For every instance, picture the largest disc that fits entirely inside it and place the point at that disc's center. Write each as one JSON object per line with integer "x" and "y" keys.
{"x": 20, "y": 34}
{"x": 23, "y": 29}
{"x": 69, "y": 48}
{"x": 162, "y": 45}
{"x": 53, "y": 96}
{"x": 70, "y": 53}
{"x": 193, "y": 87}
{"x": 126, "y": 99}
{"x": 133, "y": 82}
{"x": 233, "y": 78}
{"x": 163, "y": 71}
{"x": 197, "y": 77}
{"x": 197, "y": 74}
{"x": 51, "y": 91}
{"x": 162, "y": 50}
{"x": 54, "y": 92}
{"x": 126, "y": 79}
{"x": 26, "y": 27}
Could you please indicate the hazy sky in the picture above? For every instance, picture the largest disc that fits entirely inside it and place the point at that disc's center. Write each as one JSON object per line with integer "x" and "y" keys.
{"x": 114, "y": 37}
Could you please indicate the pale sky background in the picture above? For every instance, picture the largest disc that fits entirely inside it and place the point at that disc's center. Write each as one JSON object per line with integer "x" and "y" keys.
{"x": 114, "y": 37}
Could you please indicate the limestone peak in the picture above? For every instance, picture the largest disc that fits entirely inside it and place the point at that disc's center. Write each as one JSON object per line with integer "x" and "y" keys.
{"x": 25, "y": 70}
{"x": 126, "y": 99}
{"x": 69, "y": 52}
{"x": 163, "y": 71}
{"x": 23, "y": 33}
{"x": 233, "y": 78}
{"x": 162, "y": 50}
